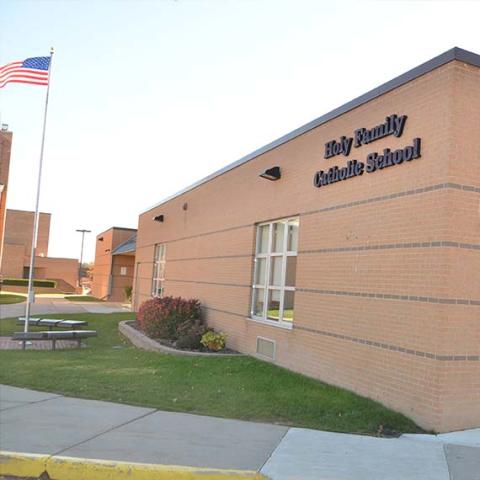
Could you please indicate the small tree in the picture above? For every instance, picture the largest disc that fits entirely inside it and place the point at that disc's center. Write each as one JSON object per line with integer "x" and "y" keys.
{"x": 128, "y": 293}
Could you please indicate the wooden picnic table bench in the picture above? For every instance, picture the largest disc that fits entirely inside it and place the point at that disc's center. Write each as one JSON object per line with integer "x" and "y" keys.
{"x": 53, "y": 336}
{"x": 53, "y": 322}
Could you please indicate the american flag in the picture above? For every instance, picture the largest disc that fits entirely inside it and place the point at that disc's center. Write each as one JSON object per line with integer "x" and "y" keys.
{"x": 32, "y": 70}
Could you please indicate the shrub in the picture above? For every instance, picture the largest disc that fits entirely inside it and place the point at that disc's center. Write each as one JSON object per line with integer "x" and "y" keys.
{"x": 160, "y": 317}
{"x": 190, "y": 335}
{"x": 213, "y": 340}
{"x": 128, "y": 292}
{"x": 23, "y": 282}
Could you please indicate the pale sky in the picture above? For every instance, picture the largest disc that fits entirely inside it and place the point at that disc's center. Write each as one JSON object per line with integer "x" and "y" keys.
{"x": 148, "y": 97}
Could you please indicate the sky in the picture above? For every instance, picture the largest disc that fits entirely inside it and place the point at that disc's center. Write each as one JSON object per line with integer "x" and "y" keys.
{"x": 147, "y": 97}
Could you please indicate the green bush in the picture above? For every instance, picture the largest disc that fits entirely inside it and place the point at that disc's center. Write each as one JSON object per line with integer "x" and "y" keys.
{"x": 190, "y": 335}
{"x": 23, "y": 282}
{"x": 214, "y": 341}
{"x": 160, "y": 317}
{"x": 128, "y": 292}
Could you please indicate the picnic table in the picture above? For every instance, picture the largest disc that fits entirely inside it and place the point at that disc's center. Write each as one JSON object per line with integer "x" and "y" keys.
{"x": 53, "y": 323}
{"x": 53, "y": 336}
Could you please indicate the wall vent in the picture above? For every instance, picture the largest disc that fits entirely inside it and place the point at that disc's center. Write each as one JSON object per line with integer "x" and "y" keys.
{"x": 266, "y": 348}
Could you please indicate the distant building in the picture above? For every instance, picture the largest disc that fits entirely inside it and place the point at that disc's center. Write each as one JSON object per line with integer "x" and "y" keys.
{"x": 16, "y": 227}
{"x": 114, "y": 263}
{"x": 17, "y": 247}
{"x": 5, "y": 149}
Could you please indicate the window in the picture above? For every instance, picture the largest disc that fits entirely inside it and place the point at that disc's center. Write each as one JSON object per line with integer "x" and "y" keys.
{"x": 275, "y": 271}
{"x": 158, "y": 270}
{"x": 123, "y": 270}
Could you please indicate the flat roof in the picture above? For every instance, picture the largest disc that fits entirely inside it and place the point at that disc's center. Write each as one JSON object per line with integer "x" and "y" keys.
{"x": 436, "y": 62}
{"x": 117, "y": 228}
{"x": 27, "y": 211}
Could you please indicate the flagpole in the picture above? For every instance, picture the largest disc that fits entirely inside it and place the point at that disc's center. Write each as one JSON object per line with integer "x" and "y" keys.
{"x": 35, "y": 221}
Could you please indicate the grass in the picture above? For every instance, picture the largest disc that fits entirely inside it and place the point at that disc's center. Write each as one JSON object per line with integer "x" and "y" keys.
{"x": 234, "y": 387}
{"x": 7, "y": 298}
{"x": 275, "y": 314}
{"x": 82, "y": 298}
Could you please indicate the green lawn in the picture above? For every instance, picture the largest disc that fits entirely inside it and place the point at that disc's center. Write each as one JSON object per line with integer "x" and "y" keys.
{"x": 275, "y": 314}
{"x": 82, "y": 298}
{"x": 235, "y": 387}
{"x": 6, "y": 298}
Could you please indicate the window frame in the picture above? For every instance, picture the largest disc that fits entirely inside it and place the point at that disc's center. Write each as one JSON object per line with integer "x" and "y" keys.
{"x": 158, "y": 273}
{"x": 266, "y": 287}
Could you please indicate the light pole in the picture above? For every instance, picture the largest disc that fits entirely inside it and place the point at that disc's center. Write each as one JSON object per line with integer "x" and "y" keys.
{"x": 83, "y": 232}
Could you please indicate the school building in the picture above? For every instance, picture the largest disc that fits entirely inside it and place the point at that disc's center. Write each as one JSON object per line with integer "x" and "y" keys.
{"x": 114, "y": 263}
{"x": 16, "y": 233}
{"x": 17, "y": 247}
{"x": 349, "y": 249}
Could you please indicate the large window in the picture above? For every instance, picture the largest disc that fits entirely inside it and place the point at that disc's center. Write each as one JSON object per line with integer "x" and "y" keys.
{"x": 158, "y": 276}
{"x": 275, "y": 271}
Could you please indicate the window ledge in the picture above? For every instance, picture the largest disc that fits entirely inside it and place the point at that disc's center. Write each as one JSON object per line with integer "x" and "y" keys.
{"x": 272, "y": 323}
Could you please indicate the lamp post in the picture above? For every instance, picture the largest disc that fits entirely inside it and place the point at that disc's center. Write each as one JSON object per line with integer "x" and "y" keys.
{"x": 83, "y": 232}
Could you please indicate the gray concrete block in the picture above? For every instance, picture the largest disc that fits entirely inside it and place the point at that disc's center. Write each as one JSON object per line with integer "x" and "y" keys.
{"x": 468, "y": 438}
{"x": 315, "y": 455}
{"x": 183, "y": 439}
{"x": 56, "y": 424}
{"x": 463, "y": 462}
{"x": 18, "y": 396}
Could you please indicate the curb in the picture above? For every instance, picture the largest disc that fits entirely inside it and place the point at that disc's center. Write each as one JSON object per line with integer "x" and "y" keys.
{"x": 61, "y": 468}
{"x": 139, "y": 340}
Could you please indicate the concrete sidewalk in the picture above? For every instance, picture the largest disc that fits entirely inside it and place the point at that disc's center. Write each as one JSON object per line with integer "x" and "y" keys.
{"x": 36, "y": 422}
{"x": 45, "y": 305}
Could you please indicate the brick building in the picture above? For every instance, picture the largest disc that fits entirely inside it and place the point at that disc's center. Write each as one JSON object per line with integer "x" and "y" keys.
{"x": 16, "y": 227}
{"x": 114, "y": 263}
{"x": 17, "y": 250}
{"x": 5, "y": 151}
{"x": 349, "y": 249}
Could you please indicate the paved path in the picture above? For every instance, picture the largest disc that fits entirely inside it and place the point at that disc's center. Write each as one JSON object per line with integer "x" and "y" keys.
{"x": 45, "y": 305}
{"x": 35, "y": 422}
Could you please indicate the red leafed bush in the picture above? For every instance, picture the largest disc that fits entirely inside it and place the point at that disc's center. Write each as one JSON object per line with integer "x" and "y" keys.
{"x": 161, "y": 317}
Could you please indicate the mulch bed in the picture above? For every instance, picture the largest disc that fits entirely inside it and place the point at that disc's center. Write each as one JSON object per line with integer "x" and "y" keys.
{"x": 172, "y": 343}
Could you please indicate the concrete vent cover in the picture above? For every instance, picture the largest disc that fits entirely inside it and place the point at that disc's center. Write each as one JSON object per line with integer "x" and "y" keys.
{"x": 266, "y": 347}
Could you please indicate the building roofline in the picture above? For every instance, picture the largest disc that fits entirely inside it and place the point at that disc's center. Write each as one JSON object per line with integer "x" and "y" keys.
{"x": 133, "y": 238}
{"x": 455, "y": 53}
{"x": 27, "y": 211}
{"x": 116, "y": 228}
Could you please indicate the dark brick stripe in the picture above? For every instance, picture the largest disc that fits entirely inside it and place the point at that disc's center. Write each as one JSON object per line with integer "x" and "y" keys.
{"x": 393, "y": 348}
{"x": 225, "y": 311}
{"x": 207, "y": 283}
{"x": 213, "y": 257}
{"x": 370, "y": 343}
{"x": 389, "y": 296}
{"x": 391, "y": 196}
{"x": 358, "y": 248}
{"x": 204, "y": 234}
{"x": 416, "y": 191}
{"x": 387, "y": 246}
